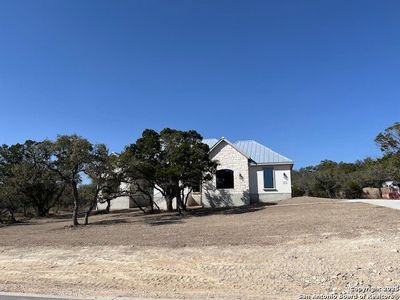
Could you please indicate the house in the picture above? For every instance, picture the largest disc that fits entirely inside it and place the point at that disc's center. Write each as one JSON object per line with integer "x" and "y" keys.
{"x": 247, "y": 172}
{"x": 390, "y": 190}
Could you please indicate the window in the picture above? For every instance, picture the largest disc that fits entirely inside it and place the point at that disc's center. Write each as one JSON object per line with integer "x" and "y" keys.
{"x": 224, "y": 179}
{"x": 269, "y": 178}
{"x": 196, "y": 188}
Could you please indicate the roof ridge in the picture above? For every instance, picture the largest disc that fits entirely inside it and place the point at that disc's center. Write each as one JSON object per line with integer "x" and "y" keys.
{"x": 246, "y": 141}
{"x": 273, "y": 152}
{"x": 252, "y": 150}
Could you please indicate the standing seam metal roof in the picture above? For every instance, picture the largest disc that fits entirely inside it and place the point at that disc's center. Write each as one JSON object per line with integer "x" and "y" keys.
{"x": 260, "y": 154}
{"x": 210, "y": 142}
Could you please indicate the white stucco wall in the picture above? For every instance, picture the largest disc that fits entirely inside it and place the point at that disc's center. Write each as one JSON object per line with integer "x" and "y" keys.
{"x": 162, "y": 204}
{"x": 160, "y": 200}
{"x": 283, "y": 186}
{"x": 117, "y": 203}
{"x": 228, "y": 158}
{"x": 124, "y": 202}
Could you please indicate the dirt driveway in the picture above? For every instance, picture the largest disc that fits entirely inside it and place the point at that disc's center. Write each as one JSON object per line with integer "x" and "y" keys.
{"x": 295, "y": 249}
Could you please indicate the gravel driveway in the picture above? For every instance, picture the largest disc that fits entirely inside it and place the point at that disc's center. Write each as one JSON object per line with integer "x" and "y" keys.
{"x": 395, "y": 204}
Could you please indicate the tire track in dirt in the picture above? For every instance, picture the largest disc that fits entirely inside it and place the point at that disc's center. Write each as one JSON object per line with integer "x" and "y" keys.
{"x": 236, "y": 272}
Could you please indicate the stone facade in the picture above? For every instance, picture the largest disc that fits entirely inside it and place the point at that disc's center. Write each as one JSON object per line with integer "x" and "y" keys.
{"x": 228, "y": 158}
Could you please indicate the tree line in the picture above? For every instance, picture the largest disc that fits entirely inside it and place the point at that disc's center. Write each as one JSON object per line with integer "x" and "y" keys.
{"x": 70, "y": 172}
{"x": 73, "y": 173}
{"x": 346, "y": 180}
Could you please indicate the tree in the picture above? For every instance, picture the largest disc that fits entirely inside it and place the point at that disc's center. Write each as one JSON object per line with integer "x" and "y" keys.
{"x": 170, "y": 161}
{"x": 40, "y": 187}
{"x": 389, "y": 140}
{"x": 344, "y": 180}
{"x": 106, "y": 180}
{"x": 9, "y": 200}
{"x": 73, "y": 157}
{"x": 327, "y": 179}
{"x": 29, "y": 180}
{"x": 302, "y": 181}
{"x": 339, "y": 180}
{"x": 10, "y": 203}
{"x": 69, "y": 156}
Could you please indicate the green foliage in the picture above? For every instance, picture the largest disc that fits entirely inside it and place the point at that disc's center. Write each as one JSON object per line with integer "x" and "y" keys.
{"x": 389, "y": 140}
{"x": 71, "y": 155}
{"x": 10, "y": 204}
{"x": 169, "y": 161}
{"x": 343, "y": 180}
{"x": 45, "y": 174}
{"x": 40, "y": 175}
{"x": 28, "y": 182}
{"x": 105, "y": 178}
{"x": 346, "y": 180}
{"x": 86, "y": 194}
{"x": 72, "y": 158}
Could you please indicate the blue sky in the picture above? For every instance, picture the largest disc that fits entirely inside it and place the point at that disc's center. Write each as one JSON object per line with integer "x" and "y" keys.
{"x": 312, "y": 80}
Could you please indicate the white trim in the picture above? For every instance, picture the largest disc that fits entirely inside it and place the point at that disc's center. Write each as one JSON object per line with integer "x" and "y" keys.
{"x": 230, "y": 144}
{"x": 272, "y": 164}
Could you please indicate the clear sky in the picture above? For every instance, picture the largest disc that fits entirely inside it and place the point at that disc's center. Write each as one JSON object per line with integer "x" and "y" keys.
{"x": 312, "y": 80}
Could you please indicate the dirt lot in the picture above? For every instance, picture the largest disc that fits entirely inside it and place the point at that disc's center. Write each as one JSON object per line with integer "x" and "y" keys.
{"x": 296, "y": 248}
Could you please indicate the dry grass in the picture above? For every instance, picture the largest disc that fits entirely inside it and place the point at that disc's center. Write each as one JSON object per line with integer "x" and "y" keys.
{"x": 297, "y": 246}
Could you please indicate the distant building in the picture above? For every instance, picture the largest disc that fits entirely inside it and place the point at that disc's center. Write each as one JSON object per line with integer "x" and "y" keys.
{"x": 391, "y": 183}
{"x": 390, "y": 190}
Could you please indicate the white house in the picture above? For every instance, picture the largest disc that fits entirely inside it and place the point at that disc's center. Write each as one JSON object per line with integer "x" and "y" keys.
{"x": 247, "y": 172}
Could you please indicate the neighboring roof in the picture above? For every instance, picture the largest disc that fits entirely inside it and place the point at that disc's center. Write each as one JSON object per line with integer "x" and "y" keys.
{"x": 258, "y": 153}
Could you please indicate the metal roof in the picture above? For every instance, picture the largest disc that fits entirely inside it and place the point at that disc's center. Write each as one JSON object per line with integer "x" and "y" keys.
{"x": 260, "y": 154}
{"x": 210, "y": 142}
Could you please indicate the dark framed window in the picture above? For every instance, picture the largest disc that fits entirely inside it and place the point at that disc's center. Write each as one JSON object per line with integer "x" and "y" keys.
{"x": 269, "y": 182}
{"x": 224, "y": 179}
{"x": 196, "y": 188}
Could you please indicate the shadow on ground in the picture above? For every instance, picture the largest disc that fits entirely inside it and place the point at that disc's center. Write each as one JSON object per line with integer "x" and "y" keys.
{"x": 129, "y": 216}
{"x": 166, "y": 218}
